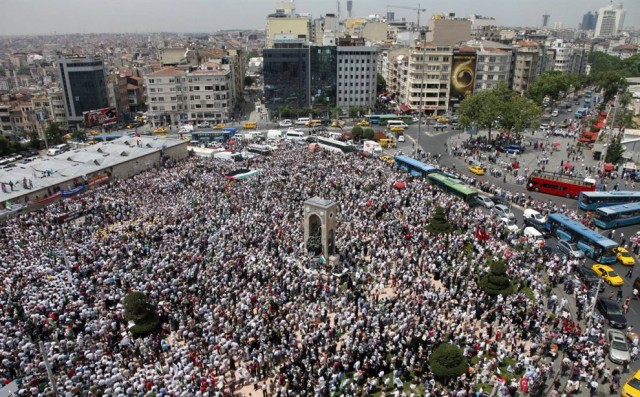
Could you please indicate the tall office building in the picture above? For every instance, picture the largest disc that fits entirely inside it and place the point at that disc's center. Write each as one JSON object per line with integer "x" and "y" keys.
{"x": 589, "y": 21}
{"x": 610, "y": 21}
{"x": 84, "y": 85}
{"x": 545, "y": 20}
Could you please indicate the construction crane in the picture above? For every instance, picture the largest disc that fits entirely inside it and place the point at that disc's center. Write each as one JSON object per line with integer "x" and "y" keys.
{"x": 418, "y": 10}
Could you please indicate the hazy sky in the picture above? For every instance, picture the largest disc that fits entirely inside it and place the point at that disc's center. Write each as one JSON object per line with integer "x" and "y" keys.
{"x": 119, "y": 16}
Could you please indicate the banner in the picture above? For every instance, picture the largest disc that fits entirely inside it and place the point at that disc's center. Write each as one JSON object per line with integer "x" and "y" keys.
{"x": 100, "y": 117}
{"x": 463, "y": 76}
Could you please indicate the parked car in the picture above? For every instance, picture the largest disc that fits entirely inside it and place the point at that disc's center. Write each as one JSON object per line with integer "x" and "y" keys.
{"x": 204, "y": 124}
{"x": 589, "y": 278}
{"x": 611, "y": 312}
{"x": 502, "y": 211}
{"x": 510, "y": 224}
{"x": 485, "y": 201}
{"x": 513, "y": 149}
{"x": 624, "y": 256}
{"x": 608, "y": 274}
{"x": 570, "y": 249}
{"x": 618, "y": 348}
{"x": 632, "y": 387}
{"x": 554, "y": 113}
{"x": 285, "y": 123}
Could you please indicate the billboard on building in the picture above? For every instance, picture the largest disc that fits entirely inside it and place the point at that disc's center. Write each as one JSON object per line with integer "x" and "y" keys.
{"x": 100, "y": 117}
{"x": 463, "y": 76}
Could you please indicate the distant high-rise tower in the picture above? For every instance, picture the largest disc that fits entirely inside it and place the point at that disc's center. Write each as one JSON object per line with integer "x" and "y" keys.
{"x": 545, "y": 20}
{"x": 610, "y": 21}
{"x": 84, "y": 85}
{"x": 588, "y": 21}
{"x": 349, "y": 7}
{"x": 391, "y": 16}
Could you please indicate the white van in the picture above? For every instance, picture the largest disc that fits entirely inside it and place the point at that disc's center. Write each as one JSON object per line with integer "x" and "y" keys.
{"x": 531, "y": 233}
{"x": 274, "y": 134}
{"x": 303, "y": 120}
{"x": 58, "y": 149}
{"x": 396, "y": 123}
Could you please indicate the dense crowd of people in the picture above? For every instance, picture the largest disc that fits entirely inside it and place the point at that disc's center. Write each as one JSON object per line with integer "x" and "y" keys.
{"x": 242, "y": 303}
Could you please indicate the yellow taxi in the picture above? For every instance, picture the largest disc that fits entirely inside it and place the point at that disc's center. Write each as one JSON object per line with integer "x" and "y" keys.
{"x": 364, "y": 123}
{"x": 160, "y": 130}
{"x": 131, "y": 125}
{"x": 387, "y": 158}
{"x": 396, "y": 129}
{"x": 623, "y": 256}
{"x": 337, "y": 124}
{"x": 218, "y": 126}
{"x": 94, "y": 132}
{"x": 68, "y": 136}
{"x": 442, "y": 119}
{"x": 251, "y": 125}
{"x": 632, "y": 387}
{"x": 476, "y": 169}
{"x": 92, "y": 142}
{"x": 387, "y": 143}
{"x": 608, "y": 274}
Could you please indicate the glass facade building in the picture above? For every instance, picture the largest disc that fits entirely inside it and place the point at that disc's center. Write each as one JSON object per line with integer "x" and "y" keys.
{"x": 323, "y": 81}
{"x": 84, "y": 85}
{"x": 286, "y": 77}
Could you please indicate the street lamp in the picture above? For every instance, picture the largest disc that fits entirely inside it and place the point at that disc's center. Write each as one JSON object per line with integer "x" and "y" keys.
{"x": 421, "y": 110}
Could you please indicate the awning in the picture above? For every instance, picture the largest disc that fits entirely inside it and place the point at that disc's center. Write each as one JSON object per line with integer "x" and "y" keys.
{"x": 598, "y": 126}
{"x": 608, "y": 167}
{"x": 405, "y": 108}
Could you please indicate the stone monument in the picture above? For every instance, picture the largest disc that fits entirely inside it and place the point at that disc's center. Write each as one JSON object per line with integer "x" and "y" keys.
{"x": 320, "y": 228}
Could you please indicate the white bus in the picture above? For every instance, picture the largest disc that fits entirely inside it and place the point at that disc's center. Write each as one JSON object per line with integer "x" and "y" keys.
{"x": 260, "y": 149}
{"x": 336, "y": 146}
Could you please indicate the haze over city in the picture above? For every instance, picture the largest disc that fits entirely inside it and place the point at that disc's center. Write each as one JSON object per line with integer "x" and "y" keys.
{"x": 20, "y": 17}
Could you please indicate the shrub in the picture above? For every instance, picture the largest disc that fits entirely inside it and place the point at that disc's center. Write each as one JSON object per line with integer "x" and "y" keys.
{"x": 438, "y": 223}
{"x": 447, "y": 361}
{"x": 496, "y": 282}
{"x": 138, "y": 309}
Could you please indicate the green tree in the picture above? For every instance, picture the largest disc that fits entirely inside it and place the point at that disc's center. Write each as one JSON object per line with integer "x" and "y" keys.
{"x": 615, "y": 150}
{"x": 496, "y": 282}
{"x": 369, "y": 133}
{"x": 520, "y": 113}
{"x": 249, "y": 81}
{"x": 439, "y": 223}
{"x": 138, "y": 309}
{"x": 550, "y": 84}
{"x": 381, "y": 83}
{"x": 79, "y": 135}
{"x": 610, "y": 83}
{"x": 4, "y": 146}
{"x": 447, "y": 361}
{"x": 55, "y": 135}
{"x": 357, "y": 133}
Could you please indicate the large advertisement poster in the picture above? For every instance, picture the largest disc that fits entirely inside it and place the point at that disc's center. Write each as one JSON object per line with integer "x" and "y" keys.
{"x": 463, "y": 76}
{"x": 100, "y": 117}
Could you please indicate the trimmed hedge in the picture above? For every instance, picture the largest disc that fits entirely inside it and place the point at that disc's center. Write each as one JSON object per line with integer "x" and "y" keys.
{"x": 438, "y": 223}
{"x": 138, "y": 309}
{"x": 447, "y": 361}
{"x": 496, "y": 282}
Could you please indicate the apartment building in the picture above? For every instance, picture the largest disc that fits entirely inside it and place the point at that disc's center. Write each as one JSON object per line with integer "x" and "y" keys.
{"x": 204, "y": 94}
{"x": 527, "y": 61}
{"x": 428, "y": 79}
{"x": 493, "y": 64}
{"x": 6, "y": 128}
{"x": 562, "y": 56}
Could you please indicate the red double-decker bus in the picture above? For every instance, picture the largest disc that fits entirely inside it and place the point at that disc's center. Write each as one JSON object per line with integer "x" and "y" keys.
{"x": 559, "y": 185}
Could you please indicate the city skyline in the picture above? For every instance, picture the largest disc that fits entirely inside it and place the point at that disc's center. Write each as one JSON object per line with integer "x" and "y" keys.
{"x": 141, "y": 16}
